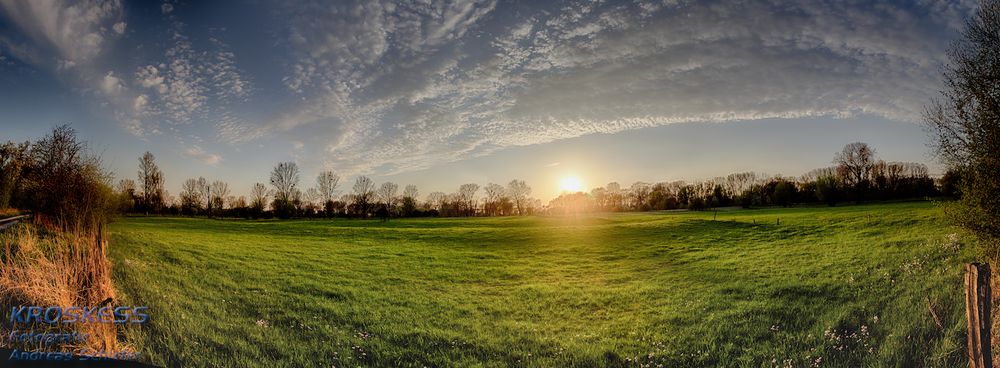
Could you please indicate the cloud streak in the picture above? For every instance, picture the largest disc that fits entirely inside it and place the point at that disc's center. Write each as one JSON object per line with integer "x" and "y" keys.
{"x": 380, "y": 87}
{"x": 416, "y": 87}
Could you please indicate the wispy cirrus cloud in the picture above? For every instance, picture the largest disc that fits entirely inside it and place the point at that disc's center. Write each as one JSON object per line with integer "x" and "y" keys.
{"x": 75, "y": 32}
{"x": 383, "y": 87}
{"x": 420, "y": 85}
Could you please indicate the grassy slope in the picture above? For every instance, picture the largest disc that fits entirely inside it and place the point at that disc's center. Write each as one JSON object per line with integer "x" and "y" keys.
{"x": 845, "y": 286}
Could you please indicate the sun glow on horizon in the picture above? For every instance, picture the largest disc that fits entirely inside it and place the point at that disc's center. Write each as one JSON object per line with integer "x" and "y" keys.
{"x": 571, "y": 184}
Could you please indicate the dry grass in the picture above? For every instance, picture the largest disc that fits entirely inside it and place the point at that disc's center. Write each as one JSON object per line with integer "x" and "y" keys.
{"x": 9, "y": 212}
{"x": 43, "y": 267}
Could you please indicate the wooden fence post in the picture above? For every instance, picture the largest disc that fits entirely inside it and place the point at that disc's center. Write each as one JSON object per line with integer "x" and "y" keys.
{"x": 977, "y": 314}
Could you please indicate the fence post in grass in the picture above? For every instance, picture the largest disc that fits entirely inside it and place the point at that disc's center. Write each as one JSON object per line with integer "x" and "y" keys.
{"x": 977, "y": 314}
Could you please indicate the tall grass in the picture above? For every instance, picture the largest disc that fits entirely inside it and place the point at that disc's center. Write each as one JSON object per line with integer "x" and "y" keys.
{"x": 43, "y": 266}
{"x": 8, "y": 212}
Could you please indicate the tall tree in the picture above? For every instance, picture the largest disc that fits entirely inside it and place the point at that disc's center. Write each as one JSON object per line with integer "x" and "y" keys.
{"x": 285, "y": 179}
{"x": 855, "y": 163}
{"x": 205, "y": 194}
{"x": 639, "y": 194}
{"x": 494, "y": 192}
{"x": 364, "y": 190}
{"x": 411, "y": 192}
{"x": 258, "y": 198}
{"x": 409, "y": 203}
{"x": 467, "y": 195}
{"x": 965, "y": 123}
{"x": 387, "y": 194}
{"x": 435, "y": 200}
{"x": 326, "y": 184}
{"x": 219, "y": 190}
{"x": 151, "y": 181}
{"x": 519, "y": 192}
{"x": 190, "y": 197}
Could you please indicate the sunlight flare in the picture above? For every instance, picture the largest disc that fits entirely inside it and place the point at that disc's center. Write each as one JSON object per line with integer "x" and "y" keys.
{"x": 571, "y": 184}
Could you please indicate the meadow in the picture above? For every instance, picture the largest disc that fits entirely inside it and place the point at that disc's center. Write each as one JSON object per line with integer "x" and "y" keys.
{"x": 855, "y": 286}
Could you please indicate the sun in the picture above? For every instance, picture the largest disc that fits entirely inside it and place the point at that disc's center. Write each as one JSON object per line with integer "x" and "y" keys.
{"x": 571, "y": 184}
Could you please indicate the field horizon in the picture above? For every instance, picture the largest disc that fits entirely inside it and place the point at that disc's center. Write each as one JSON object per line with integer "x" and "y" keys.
{"x": 830, "y": 286}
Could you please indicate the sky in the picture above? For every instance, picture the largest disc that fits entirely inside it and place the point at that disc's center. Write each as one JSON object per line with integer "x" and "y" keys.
{"x": 440, "y": 93}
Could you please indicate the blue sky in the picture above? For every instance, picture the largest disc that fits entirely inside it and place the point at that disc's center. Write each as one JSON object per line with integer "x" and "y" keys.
{"x": 440, "y": 93}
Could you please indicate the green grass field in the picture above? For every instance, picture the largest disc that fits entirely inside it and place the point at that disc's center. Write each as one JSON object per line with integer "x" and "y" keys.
{"x": 843, "y": 286}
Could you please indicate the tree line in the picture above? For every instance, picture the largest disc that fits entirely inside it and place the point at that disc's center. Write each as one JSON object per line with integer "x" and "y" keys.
{"x": 284, "y": 196}
{"x": 857, "y": 175}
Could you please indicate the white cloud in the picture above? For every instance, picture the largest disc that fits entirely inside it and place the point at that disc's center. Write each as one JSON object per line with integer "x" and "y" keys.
{"x": 193, "y": 85}
{"x": 388, "y": 87}
{"x": 111, "y": 85}
{"x": 139, "y": 104}
{"x": 417, "y": 85}
{"x": 74, "y": 31}
{"x": 199, "y": 154}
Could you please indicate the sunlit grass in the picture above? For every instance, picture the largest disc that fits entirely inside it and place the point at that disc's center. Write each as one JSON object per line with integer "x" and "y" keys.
{"x": 845, "y": 286}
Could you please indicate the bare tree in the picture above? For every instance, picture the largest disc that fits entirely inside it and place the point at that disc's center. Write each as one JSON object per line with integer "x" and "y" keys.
{"x": 964, "y": 123}
{"x": 237, "y": 202}
{"x": 738, "y": 184}
{"x": 151, "y": 179}
{"x": 190, "y": 196}
{"x": 855, "y": 162}
{"x": 435, "y": 200}
{"x": 219, "y": 192}
{"x": 410, "y": 191}
{"x": 639, "y": 193}
{"x": 467, "y": 195}
{"x": 387, "y": 194}
{"x": 258, "y": 197}
{"x": 285, "y": 179}
{"x": 364, "y": 190}
{"x": 127, "y": 187}
{"x": 409, "y": 201}
{"x": 615, "y": 196}
{"x": 311, "y": 199}
{"x": 205, "y": 194}
{"x": 519, "y": 192}
{"x": 494, "y": 192}
{"x": 326, "y": 184}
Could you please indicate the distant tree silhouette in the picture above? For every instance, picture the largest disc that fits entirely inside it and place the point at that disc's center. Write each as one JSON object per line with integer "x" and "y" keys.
{"x": 326, "y": 184}
{"x": 219, "y": 191}
{"x": 387, "y": 195}
{"x": 364, "y": 192}
{"x": 519, "y": 192}
{"x": 151, "y": 182}
{"x": 258, "y": 199}
{"x": 854, "y": 165}
{"x": 467, "y": 198}
{"x": 409, "y": 201}
{"x": 285, "y": 180}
